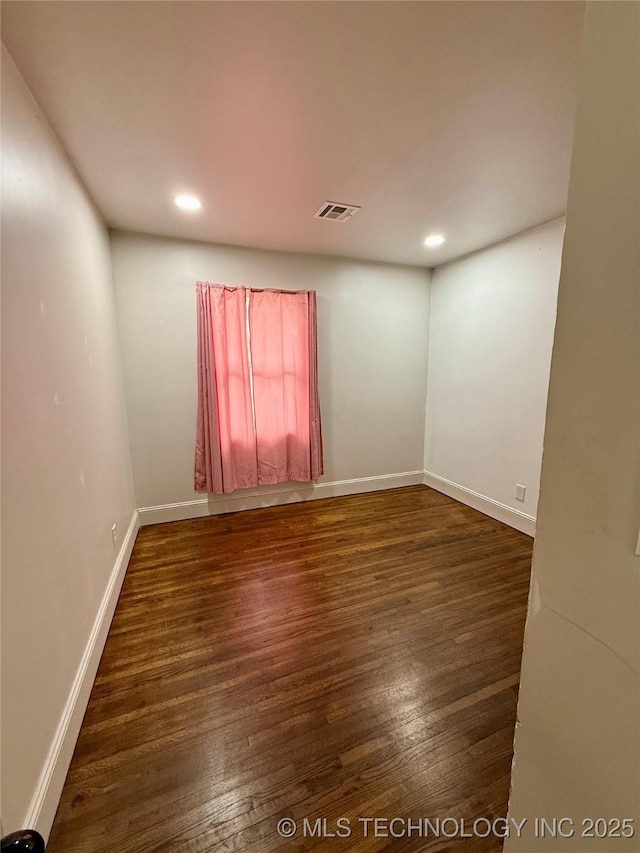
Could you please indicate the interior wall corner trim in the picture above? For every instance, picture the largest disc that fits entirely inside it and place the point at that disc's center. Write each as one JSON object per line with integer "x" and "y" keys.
{"x": 494, "y": 509}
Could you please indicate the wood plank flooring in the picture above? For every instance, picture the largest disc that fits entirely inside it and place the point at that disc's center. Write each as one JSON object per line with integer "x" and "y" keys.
{"x": 349, "y": 658}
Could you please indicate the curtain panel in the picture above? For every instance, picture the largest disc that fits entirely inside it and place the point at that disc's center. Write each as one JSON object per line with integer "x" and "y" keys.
{"x": 258, "y": 404}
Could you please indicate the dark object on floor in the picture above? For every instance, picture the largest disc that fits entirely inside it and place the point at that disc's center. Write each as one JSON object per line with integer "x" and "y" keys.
{"x": 24, "y": 841}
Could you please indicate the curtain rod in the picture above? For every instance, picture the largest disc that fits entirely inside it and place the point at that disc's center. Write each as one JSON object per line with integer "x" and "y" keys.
{"x": 252, "y": 289}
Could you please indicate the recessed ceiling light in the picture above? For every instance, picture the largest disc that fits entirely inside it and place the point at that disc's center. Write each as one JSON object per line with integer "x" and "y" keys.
{"x": 188, "y": 202}
{"x": 434, "y": 240}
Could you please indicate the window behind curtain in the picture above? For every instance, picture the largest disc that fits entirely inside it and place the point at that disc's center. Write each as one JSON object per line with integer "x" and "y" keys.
{"x": 258, "y": 404}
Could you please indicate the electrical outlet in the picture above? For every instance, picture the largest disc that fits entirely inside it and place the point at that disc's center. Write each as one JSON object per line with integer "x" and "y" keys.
{"x": 114, "y": 535}
{"x": 520, "y": 492}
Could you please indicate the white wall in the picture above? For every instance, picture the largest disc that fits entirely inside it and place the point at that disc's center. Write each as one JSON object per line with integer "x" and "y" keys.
{"x": 65, "y": 466}
{"x": 492, "y": 322}
{"x": 577, "y": 750}
{"x": 372, "y": 352}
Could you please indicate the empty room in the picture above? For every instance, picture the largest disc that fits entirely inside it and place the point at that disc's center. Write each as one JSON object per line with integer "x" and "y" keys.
{"x": 320, "y": 426}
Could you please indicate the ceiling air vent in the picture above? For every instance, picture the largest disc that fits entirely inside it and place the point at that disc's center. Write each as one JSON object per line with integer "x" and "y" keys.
{"x": 335, "y": 211}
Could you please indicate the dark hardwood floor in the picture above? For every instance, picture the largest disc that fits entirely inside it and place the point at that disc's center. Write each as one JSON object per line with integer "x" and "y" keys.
{"x": 352, "y": 657}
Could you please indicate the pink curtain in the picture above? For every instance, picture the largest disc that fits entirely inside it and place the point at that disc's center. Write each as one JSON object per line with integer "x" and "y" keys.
{"x": 225, "y": 442}
{"x": 285, "y": 388}
{"x": 258, "y": 403}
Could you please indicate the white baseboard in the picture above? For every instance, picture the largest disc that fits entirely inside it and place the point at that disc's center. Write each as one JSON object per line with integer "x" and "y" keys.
{"x": 275, "y": 496}
{"x": 173, "y": 512}
{"x": 501, "y": 512}
{"x": 44, "y": 804}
